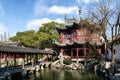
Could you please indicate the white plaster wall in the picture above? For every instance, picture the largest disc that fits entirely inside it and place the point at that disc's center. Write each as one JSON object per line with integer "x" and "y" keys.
{"x": 117, "y": 53}
{"x": 108, "y": 54}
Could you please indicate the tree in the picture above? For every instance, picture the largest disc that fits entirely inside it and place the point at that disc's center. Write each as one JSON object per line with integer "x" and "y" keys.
{"x": 105, "y": 13}
{"x": 25, "y": 38}
{"x": 50, "y": 30}
{"x": 41, "y": 39}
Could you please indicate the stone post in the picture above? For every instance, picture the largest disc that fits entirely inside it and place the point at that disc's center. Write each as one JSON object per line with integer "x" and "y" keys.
{"x": 61, "y": 58}
{"x": 23, "y": 63}
{"x": 32, "y": 62}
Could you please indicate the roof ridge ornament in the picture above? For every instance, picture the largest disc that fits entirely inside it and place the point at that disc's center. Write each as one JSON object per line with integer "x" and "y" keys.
{"x": 65, "y": 18}
{"x": 80, "y": 12}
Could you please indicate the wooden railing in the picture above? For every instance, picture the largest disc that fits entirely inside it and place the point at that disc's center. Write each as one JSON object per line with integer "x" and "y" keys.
{"x": 81, "y": 39}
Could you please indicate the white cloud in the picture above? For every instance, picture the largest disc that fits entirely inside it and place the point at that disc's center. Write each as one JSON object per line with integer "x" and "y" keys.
{"x": 40, "y": 8}
{"x": 2, "y": 29}
{"x": 35, "y": 24}
{"x": 87, "y": 1}
{"x": 63, "y": 10}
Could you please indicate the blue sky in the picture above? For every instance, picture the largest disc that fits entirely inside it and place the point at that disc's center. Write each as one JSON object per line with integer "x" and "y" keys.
{"x": 22, "y": 15}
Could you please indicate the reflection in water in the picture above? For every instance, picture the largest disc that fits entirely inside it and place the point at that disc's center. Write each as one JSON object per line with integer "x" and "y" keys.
{"x": 60, "y": 74}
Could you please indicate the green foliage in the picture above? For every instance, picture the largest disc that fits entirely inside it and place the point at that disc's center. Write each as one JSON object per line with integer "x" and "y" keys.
{"x": 42, "y": 38}
{"x": 51, "y": 34}
{"x": 25, "y": 38}
{"x": 67, "y": 61}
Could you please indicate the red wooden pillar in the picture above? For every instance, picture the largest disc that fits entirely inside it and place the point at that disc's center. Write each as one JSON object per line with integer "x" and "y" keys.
{"x": 71, "y": 37}
{"x": 6, "y": 59}
{"x": 85, "y": 52}
{"x": 77, "y": 35}
{"x": 27, "y": 58}
{"x": 76, "y": 52}
{"x": 0, "y": 59}
{"x": 77, "y": 55}
{"x": 14, "y": 59}
{"x": 0, "y": 62}
{"x": 62, "y": 51}
{"x": 51, "y": 58}
{"x": 71, "y": 53}
{"x": 9, "y": 56}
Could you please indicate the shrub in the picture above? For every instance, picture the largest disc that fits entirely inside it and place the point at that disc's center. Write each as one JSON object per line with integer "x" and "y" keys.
{"x": 67, "y": 61}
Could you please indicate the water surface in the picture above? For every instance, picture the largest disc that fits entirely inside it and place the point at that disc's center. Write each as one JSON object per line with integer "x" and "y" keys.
{"x": 60, "y": 74}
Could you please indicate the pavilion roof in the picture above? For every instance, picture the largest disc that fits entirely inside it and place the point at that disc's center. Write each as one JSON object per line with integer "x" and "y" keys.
{"x": 22, "y": 50}
{"x": 84, "y": 23}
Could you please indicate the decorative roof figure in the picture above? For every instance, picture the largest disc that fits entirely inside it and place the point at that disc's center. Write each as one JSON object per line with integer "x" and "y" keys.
{"x": 72, "y": 20}
{"x": 79, "y": 11}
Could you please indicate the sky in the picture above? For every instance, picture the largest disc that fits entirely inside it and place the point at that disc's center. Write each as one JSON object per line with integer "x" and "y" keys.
{"x": 21, "y": 15}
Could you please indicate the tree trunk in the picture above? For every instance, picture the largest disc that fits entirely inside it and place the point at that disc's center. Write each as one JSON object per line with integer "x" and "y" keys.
{"x": 112, "y": 48}
{"x": 112, "y": 55}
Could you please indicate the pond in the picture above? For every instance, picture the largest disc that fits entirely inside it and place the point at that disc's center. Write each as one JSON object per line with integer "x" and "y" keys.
{"x": 60, "y": 74}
